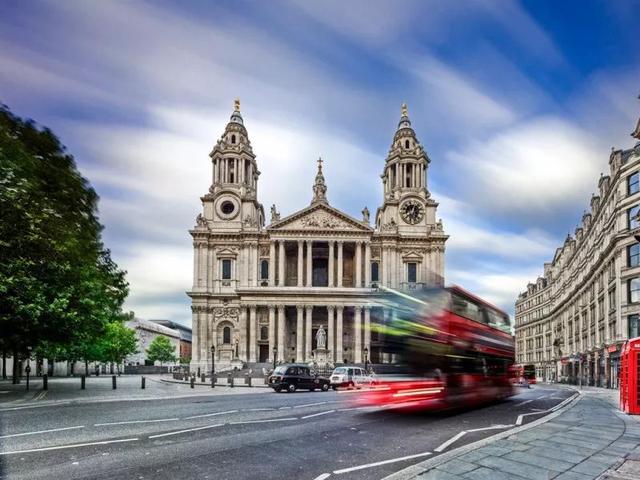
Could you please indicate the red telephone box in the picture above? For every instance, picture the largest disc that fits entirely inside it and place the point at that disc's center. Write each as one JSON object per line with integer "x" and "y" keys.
{"x": 630, "y": 377}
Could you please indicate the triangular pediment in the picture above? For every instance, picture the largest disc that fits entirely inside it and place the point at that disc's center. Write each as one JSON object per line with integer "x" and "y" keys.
{"x": 319, "y": 217}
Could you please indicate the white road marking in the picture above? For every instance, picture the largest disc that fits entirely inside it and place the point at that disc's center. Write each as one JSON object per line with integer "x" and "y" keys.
{"x": 127, "y": 422}
{"x": 285, "y": 408}
{"x": 492, "y": 427}
{"x": 42, "y": 431}
{"x": 22, "y": 407}
{"x": 317, "y": 414}
{"x": 259, "y": 409}
{"x": 323, "y": 476}
{"x": 211, "y": 414}
{"x": 309, "y": 405}
{"x": 383, "y": 462}
{"x": 74, "y": 445}
{"x": 553, "y": 409}
{"x": 264, "y": 421}
{"x": 450, "y": 441}
{"x": 5, "y": 391}
{"x": 178, "y": 432}
{"x": 525, "y": 402}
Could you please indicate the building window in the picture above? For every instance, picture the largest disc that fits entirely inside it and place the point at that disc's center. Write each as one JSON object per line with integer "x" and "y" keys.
{"x": 226, "y": 269}
{"x": 634, "y": 326}
{"x": 633, "y": 255}
{"x": 406, "y": 144}
{"x": 633, "y": 185}
{"x": 375, "y": 272}
{"x": 634, "y": 290}
{"x": 264, "y": 333}
{"x": 226, "y": 335}
{"x": 233, "y": 139}
{"x": 632, "y": 221}
{"x": 264, "y": 269}
{"x": 412, "y": 272}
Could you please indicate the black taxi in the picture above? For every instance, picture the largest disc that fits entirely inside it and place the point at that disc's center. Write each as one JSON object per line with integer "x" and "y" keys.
{"x": 291, "y": 377}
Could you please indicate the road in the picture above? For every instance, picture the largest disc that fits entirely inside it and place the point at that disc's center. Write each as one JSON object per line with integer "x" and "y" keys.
{"x": 265, "y": 435}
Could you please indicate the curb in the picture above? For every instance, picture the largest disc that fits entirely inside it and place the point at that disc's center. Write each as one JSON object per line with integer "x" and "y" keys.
{"x": 195, "y": 384}
{"x": 422, "y": 467}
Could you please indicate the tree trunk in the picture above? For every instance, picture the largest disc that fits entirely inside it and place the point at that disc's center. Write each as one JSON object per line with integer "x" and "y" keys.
{"x": 4, "y": 364}
{"x": 16, "y": 367}
{"x": 86, "y": 368}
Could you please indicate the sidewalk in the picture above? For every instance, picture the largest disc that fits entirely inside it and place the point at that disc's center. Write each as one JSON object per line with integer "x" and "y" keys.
{"x": 589, "y": 438}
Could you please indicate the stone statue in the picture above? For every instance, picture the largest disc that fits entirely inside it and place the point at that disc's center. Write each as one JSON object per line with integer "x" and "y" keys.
{"x": 237, "y": 343}
{"x": 321, "y": 338}
{"x": 275, "y": 215}
{"x": 200, "y": 221}
{"x": 365, "y": 215}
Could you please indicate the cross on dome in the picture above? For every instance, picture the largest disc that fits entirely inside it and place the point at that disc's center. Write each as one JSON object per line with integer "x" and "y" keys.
{"x": 319, "y": 187}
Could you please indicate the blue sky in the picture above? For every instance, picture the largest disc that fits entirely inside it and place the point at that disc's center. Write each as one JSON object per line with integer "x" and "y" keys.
{"x": 517, "y": 105}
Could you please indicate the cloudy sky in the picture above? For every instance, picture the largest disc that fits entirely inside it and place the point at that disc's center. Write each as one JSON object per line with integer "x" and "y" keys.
{"x": 517, "y": 105}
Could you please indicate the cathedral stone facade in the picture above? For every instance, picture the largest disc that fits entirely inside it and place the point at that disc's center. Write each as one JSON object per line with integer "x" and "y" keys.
{"x": 263, "y": 291}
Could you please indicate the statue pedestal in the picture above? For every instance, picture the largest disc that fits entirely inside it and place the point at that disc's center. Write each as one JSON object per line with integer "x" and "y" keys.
{"x": 321, "y": 356}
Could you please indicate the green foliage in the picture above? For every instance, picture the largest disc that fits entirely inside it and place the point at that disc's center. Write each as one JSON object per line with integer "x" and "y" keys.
{"x": 185, "y": 360}
{"x": 60, "y": 289}
{"x": 117, "y": 342}
{"x": 161, "y": 350}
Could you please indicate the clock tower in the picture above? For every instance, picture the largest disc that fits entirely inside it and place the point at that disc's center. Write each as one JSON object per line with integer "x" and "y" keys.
{"x": 408, "y": 207}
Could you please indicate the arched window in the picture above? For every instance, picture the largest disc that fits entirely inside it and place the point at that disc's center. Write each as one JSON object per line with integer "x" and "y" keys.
{"x": 264, "y": 269}
{"x": 233, "y": 139}
{"x": 226, "y": 335}
{"x": 406, "y": 144}
{"x": 264, "y": 333}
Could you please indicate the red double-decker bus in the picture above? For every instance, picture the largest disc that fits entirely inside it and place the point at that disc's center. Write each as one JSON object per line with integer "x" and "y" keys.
{"x": 442, "y": 348}
{"x": 525, "y": 372}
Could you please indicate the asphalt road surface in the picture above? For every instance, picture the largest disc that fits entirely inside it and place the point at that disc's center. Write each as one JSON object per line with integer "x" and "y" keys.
{"x": 301, "y": 435}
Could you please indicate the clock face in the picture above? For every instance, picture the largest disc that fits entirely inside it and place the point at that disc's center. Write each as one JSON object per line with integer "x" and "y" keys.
{"x": 412, "y": 211}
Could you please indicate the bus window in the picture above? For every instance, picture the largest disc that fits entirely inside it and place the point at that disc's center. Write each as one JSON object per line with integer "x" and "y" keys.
{"x": 465, "y": 308}
{"x": 497, "y": 320}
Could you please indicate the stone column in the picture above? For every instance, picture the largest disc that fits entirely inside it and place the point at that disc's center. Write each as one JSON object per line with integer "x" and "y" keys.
{"x": 382, "y": 268}
{"x": 207, "y": 333}
{"x": 195, "y": 266}
{"x": 281, "y": 325}
{"x": 212, "y": 340}
{"x": 331, "y": 266}
{"x": 272, "y": 263}
{"x": 367, "y": 265}
{"x": 195, "y": 342}
{"x": 330, "y": 333}
{"x": 300, "y": 263}
{"x": 272, "y": 330}
{"x": 339, "y": 282}
{"x": 299, "y": 334}
{"x": 309, "y": 263}
{"x": 357, "y": 332}
{"x": 253, "y": 333}
{"x": 307, "y": 334}
{"x": 242, "y": 326}
{"x": 281, "y": 262}
{"x": 339, "y": 334}
{"x": 367, "y": 329}
{"x": 358, "y": 263}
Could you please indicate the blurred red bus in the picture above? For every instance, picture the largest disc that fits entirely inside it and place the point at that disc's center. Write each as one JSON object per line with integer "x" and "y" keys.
{"x": 526, "y": 372}
{"x": 444, "y": 348}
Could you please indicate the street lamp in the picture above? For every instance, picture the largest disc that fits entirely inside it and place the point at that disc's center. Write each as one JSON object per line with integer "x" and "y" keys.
{"x": 366, "y": 359}
{"x": 275, "y": 351}
{"x": 213, "y": 366}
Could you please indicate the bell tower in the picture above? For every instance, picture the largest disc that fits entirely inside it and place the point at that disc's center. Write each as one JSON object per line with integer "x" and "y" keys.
{"x": 232, "y": 201}
{"x": 407, "y": 204}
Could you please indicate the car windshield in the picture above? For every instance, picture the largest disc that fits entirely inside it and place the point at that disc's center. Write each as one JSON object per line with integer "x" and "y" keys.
{"x": 280, "y": 370}
{"x": 340, "y": 371}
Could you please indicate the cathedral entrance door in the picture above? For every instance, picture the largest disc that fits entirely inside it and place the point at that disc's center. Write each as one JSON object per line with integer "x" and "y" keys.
{"x": 264, "y": 354}
{"x": 320, "y": 272}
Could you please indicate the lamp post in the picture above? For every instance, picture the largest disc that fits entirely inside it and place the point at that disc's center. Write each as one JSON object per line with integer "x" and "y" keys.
{"x": 213, "y": 366}
{"x": 275, "y": 352}
{"x": 366, "y": 359}
{"x": 28, "y": 369}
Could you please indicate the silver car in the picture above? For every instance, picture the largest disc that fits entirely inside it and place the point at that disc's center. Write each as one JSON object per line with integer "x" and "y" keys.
{"x": 351, "y": 377}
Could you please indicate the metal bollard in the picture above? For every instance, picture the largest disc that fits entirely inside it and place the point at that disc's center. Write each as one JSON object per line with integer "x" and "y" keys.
{"x": 213, "y": 380}
{"x": 143, "y": 381}
{"x": 247, "y": 379}
{"x": 229, "y": 379}
{"x": 82, "y": 382}
{"x": 202, "y": 378}
{"x": 192, "y": 381}
{"x": 45, "y": 382}
{"x": 113, "y": 382}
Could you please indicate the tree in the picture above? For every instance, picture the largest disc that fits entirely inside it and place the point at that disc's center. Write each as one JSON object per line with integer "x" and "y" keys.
{"x": 161, "y": 350}
{"x": 117, "y": 342}
{"x": 58, "y": 283}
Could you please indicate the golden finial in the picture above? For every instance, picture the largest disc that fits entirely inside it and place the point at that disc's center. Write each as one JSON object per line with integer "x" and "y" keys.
{"x": 404, "y": 111}
{"x": 236, "y": 105}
